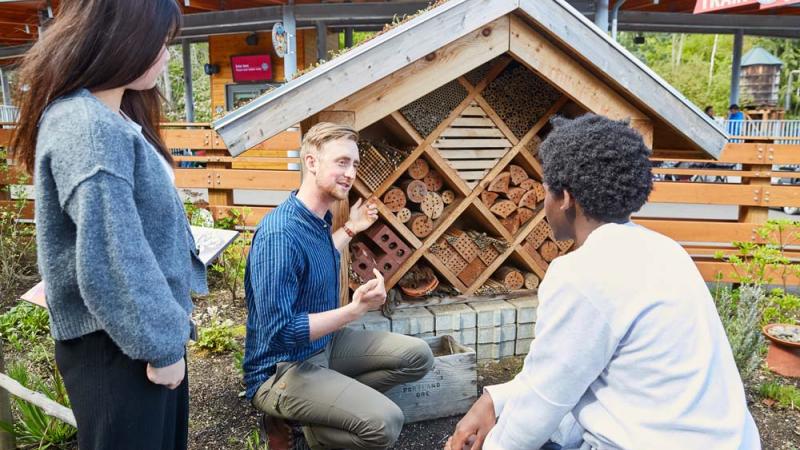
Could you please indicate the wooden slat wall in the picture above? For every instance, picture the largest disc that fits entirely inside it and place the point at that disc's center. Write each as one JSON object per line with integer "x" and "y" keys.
{"x": 265, "y": 167}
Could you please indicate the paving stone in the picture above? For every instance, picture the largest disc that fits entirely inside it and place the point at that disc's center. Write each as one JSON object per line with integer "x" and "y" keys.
{"x": 373, "y": 320}
{"x": 466, "y": 337}
{"x": 412, "y": 321}
{"x": 497, "y": 334}
{"x": 495, "y": 351}
{"x": 522, "y": 346}
{"x": 526, "y": 308}
{"x": 525, "y": 330}
{"x": 453, "y": 317}
{"x": 494, "y": 313}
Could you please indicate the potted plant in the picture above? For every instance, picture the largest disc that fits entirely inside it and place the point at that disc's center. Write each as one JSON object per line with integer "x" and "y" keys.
{"x": 783, "y": 356}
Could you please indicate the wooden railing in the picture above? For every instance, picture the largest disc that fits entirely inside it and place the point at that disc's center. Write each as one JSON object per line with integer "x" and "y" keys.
{"x": 743, "y": 177}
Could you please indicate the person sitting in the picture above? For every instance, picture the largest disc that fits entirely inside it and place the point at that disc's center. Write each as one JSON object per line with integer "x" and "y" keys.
{"x": 630, "y": 352}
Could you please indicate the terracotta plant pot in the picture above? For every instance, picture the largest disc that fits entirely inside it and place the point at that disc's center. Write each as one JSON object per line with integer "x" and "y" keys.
{"x": 419, "y": 282}
{"x": 783, "y": 356}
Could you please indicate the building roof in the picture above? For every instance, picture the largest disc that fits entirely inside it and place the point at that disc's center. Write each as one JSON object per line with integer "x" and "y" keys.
{"x": 687, "y": 126}
{"x": 760, "y": 57}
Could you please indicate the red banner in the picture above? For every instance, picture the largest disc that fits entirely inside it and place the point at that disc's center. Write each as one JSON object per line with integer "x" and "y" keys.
{"x": 778, "y": 4}
{"x": 251, "y": 68}
{"x": 704, "y": 6}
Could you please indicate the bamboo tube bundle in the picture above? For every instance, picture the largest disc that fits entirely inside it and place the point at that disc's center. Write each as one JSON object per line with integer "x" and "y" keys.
{"x": 432, "y": 205}
{"x": 428, "y": 112}
{"x": 549, "y": 250}
{"x": 415, "y": 190}
{"x": 531, "y": 281}
{"x": 375, "y": 167}
{"x": 421, "y": 225}
{"x": 404, "y": 215}
{"x": 394, "y": 199}
{"x": 419, "y": 169}
{"x": 509, "y": 277}
{"x": 434, "y": 181}
{"x": 448, "y": 197}
{"x": 492, "y": 287}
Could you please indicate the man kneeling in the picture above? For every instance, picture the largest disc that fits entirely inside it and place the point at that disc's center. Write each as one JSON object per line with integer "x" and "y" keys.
{"x": 629, "y": 350}
{"x": 300, "y": 363}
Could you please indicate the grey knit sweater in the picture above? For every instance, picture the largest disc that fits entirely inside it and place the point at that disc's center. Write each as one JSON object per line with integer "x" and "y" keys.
{"x": 114, "y": 247}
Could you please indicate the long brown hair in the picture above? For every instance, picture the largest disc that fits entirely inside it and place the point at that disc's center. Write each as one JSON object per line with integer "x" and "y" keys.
{"x": 96, "y": 45}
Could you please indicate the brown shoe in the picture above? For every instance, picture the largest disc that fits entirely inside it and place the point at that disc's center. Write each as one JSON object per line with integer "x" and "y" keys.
{"x": 276, "y": 433}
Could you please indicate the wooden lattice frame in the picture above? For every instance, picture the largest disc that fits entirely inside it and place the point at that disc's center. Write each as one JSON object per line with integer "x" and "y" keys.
{"x": 466, "y": 197}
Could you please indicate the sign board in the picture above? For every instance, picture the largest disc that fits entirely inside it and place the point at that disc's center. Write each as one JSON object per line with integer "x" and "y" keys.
{"x": 280, "y": 41}
{"x": 251, "y": 68}
{"x": 210, "y": 243}
{"x": 705, "y": 6}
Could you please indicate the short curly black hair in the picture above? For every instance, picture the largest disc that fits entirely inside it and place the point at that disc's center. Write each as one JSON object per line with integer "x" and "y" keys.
{"x": 603, "y": 163}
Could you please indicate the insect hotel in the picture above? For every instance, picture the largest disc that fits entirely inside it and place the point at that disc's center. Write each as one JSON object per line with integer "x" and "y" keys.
{"x": 451, "y": 107}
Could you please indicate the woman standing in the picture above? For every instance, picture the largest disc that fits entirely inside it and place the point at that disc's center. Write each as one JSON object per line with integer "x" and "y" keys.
{"x": 115, "y": 249}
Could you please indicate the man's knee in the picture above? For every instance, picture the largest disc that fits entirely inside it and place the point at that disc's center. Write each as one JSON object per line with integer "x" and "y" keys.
{"x": 420, "y": 358}
{"x": 382, "y": 430}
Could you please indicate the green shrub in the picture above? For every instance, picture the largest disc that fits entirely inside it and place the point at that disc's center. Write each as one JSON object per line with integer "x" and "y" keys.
{"x": 219, "y": 337}
{"x": 230, "y": 266}
{"x": 786, "y": 396}
{"x": 23, "y": 324}
{"x": 781, "y": 307}
{"x": 740, "y": 312}
{"x": 34, "y": 427}
{"x": 17, "y": 242}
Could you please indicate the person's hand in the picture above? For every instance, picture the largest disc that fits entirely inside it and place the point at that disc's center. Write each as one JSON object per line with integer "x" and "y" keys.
{"x": 370, "y": 295}
{"x": 170, "y": 376}
{"x": 362, "y": 215}
{"x": 472, "y": 429}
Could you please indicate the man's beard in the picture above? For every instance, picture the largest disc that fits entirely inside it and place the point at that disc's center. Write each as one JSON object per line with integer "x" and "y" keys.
{"x": 335, "y": 192}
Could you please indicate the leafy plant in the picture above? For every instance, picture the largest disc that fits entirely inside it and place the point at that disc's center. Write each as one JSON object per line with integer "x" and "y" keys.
{"x": 253, "y": 441}
{"x": 235, "y": 217}
{"x": 218, "y": 337}
{"x": 34, "y": 427}
{"x": 17, "y": 239}
{"x": 230, "y": 266}
{"x": 786, "y": 396}
{"x": 740, "y": 313}
{"x": 22, "y": 324}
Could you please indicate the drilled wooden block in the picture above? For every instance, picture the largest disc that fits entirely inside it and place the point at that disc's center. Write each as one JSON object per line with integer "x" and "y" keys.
{"x": 488, "y": 198}
{"x": 512, "y": 278}
{"x": 418, "y": 169}
{"x": 548, "y": 250}
{"x": 524, "y": 215}
{"x": 448, "y": 196}
{"x": 394, "y": 199}
{"x": 415, "y": 190}
{"x": 432, "y": 206}
{"x": 500, "y": 182}
{"x": 539, "y": 189}
{"x": 528, "y": 184}
{"x": 515, "y": 194}
{"x": 528, "y": 200}
{"x": 404, "y": 215}
{"x": 421, "y": 225}
{"x": 463, "y": 244}
{"x": 488, "y": 254}
{"x": 518, "y": 174}
{"x": 471, "y": 273}
{"x": 434, "y": 181}
{"x": 531, "y": 281}
{"x": 511, "y": 223}
{"x": 503, "y": 208}
{"x": 388, "y": 241}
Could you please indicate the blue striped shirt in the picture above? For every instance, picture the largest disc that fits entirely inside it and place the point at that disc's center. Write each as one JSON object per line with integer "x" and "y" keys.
{"x": 292, "y": 271}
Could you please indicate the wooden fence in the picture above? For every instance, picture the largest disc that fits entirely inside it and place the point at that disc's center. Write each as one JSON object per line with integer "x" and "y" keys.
{"x": 748, "y": 182}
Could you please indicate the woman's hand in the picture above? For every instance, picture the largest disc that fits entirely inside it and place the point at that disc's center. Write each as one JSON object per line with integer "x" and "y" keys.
{"x": 170, "y": 376}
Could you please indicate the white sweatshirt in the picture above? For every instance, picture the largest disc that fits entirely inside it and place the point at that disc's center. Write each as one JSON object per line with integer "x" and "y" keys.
{"x": 630, "y": 342}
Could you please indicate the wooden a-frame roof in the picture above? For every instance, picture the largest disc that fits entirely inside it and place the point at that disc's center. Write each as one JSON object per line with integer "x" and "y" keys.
{"x": 548, "y": 36}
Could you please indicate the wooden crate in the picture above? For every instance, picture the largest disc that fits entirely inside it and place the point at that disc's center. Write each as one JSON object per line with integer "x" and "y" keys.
{"x": 449, "y": 389}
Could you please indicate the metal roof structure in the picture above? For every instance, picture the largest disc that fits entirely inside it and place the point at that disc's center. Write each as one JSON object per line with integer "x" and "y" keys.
{"x": 760, "y": 57}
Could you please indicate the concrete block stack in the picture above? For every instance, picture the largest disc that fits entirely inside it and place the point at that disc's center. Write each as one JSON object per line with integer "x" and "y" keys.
{"x": 457, "y": 320}
{"x": 417, "y": 322}
{"x": 526, "y": 320}
{"x": 497, "y": 329}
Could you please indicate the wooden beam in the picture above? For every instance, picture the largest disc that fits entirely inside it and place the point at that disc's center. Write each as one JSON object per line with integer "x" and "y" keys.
{"x": 759, "y": 153}
{"x": 624, "y": 72}
{"x": 712, "y": 194}
{"x": 562, "y": 71}
{"x": 706, "y": 230}
{"x": 360, "y": 67}
{"x": 237, "y": 179}
{"x": 426, "y": 74}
